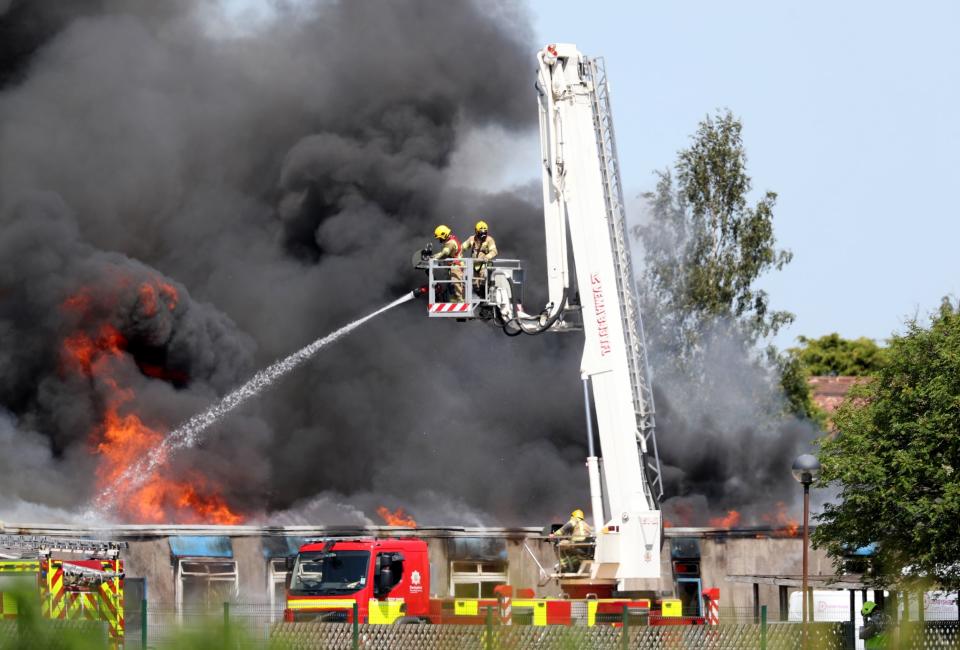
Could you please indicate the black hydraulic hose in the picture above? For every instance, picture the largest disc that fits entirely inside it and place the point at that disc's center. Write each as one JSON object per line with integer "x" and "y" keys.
{"x": 510, "y": 332}
{"x": 540, "y": 329}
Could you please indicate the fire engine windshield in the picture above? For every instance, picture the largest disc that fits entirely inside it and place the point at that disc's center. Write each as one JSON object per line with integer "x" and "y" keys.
{"x": 342, "y": 572}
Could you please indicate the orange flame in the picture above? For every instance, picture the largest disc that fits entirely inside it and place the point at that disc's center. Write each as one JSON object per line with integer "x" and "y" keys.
{"x": 80, "y": 350}
{"x": 785, "y": 524}
{"x": 123, "y": 438}
{"x": 397, "y": 518}
{"x": 731, "y": 520}
{"x": 150, "y": 294}
{"x": 79, "y": 303}
{"x": 148, "y": 300}
{"x": 169, "y": 293}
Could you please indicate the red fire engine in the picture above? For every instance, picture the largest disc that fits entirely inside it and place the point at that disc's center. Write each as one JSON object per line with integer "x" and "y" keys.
{"x": 387, "y": 581}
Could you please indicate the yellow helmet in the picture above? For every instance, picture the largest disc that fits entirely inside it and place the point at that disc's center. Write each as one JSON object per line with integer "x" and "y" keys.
{"x": 441, "y": 232}
{"x": 481, "y": 227}
{"x": 577, "y": 514}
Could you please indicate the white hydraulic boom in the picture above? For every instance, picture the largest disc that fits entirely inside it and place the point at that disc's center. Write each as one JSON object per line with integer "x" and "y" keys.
{"x": 583, "y": 215}
{"x": 582, "y": 193}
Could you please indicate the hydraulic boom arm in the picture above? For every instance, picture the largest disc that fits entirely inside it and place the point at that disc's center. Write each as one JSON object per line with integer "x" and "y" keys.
{"x": 582, "y": 194}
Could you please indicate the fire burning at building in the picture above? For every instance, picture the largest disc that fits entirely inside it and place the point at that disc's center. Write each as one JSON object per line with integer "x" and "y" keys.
{"x": 266, "y": 196}
{"x": 96, "y": 351}
{"x": 399, "y": 517}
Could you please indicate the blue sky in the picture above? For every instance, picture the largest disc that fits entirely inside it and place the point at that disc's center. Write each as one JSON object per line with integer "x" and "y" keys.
{"x": 850, "y": 113}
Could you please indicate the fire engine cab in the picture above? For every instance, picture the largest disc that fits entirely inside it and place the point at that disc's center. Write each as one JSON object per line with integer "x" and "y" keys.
{"x": 387, "y": 579}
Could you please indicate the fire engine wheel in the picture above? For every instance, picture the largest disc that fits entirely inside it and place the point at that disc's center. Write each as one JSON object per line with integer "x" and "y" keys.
{"x": 411, "y": 620}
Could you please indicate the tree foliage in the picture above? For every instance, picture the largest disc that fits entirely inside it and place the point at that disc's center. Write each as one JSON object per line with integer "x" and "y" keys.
{"x": 706, "y": 246}
{"x": 896, "y": 460}
{"x": 796, "y": 390}
{"x": 833, "y": 355}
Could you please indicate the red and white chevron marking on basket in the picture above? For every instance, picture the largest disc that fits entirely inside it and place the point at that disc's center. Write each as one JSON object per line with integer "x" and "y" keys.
{"x": 446, "y": 307}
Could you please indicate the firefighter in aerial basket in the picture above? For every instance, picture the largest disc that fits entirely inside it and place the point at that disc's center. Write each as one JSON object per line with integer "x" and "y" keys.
{"x": 481, "y": 247}
{"x": 875, "y": 626}
{"x": 450, "y": 249}
{"x": 574, "y": 542}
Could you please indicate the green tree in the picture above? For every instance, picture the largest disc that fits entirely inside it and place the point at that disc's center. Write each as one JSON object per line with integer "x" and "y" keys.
{"x": 832, "y": 355}
{"x": 896, "y": 460}
{"x": 705, "y": 245}
{"x": 796, "y": 391}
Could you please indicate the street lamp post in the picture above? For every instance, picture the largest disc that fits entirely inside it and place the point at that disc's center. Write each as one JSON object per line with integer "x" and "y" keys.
{"x": 805, "y": 469}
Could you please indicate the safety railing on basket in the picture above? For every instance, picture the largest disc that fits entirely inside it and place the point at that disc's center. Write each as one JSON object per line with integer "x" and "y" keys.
{"x": 468, "y": 280}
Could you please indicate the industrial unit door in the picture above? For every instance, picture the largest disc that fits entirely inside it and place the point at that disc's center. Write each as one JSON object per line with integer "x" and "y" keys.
{"x": 689, "y": 591}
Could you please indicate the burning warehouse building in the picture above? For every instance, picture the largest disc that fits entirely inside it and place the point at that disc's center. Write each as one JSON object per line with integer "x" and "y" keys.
{"x": 256, "y": 200}
{"x": 180, "y": 567}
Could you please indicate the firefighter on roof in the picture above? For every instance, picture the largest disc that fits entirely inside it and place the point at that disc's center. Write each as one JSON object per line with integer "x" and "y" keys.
{"x": 575, "y": 544}
{"x": 480, "y": 246}
{"x": 450, "y": 249}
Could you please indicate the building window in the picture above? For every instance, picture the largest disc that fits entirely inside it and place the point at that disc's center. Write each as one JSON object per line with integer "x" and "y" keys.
{"x": 476, "y": 579}
{"x": 204, "y": 583}
{"x": 277, "y": 576}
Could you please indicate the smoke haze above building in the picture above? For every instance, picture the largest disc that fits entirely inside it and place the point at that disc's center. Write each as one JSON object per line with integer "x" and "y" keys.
{"x": 179, "y": 208}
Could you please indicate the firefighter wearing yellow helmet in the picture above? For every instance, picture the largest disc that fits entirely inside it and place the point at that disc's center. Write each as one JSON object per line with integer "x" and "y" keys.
{"x": 575, "y": 542}
{"x": 576, "y": 529}
{"x": 480, "y": 246}
{"x": 450, "y": 249}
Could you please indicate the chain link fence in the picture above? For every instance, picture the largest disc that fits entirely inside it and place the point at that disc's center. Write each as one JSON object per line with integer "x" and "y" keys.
{"x": 240, "y": 626}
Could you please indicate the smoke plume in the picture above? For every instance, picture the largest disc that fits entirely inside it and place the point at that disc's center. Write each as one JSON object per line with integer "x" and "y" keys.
{"x": 728, "y": 444}
{"x": 183, "y": 202}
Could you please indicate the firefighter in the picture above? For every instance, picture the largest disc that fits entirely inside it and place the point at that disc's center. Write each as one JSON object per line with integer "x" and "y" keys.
{"x": 480, "y": 246}
{"x": 875, "y": 623}
{"x": 574, "y": 542}
{"x": 450, "y": 249}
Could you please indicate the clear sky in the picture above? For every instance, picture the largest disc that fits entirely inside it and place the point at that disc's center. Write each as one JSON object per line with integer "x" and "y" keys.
{"x": 850, "y": 113}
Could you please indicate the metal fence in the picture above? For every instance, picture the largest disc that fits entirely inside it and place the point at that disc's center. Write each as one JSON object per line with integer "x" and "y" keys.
{"x": 160, "y": 623}
{"x": 260, "y": 626}
{"x": 300, "y": 636}
{"x": 53, "y": 634}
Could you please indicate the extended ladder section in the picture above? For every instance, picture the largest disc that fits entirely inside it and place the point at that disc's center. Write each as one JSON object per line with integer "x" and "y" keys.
{"x": 640, "y": 383}
{"x": 43, "y": 546}
{"x": 584, "y": 216}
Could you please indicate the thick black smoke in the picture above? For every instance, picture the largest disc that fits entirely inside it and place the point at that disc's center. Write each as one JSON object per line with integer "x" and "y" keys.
{"x": 278, "y": 179}
{"x": 727, "y": 443}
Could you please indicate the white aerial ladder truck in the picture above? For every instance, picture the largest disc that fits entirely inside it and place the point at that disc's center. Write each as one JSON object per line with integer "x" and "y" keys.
{"x": 582, "y": 196}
